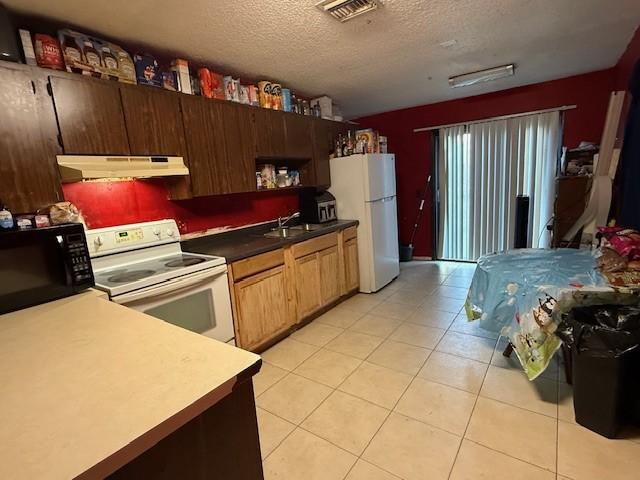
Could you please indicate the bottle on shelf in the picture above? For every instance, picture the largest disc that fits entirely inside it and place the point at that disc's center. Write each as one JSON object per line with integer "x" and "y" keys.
{"x": 338, "y": 146}
{"x": 350, "y": 145}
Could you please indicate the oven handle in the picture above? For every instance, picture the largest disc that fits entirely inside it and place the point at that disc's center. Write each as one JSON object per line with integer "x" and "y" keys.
{"x": 171, "y": 286}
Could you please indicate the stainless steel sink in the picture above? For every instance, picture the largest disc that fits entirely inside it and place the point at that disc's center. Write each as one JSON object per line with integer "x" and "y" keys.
{"x": 283, "y": 232}
{"x": 307, "y": 227}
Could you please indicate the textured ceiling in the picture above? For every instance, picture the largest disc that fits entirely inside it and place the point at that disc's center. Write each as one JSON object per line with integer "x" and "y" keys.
{"x": 388, "y": 59}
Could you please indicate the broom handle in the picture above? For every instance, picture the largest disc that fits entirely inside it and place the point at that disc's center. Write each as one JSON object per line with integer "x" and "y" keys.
{"x": 420, "y": 211}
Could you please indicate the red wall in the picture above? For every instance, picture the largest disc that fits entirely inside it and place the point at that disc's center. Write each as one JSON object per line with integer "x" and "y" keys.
{"x": 590, "y": 92}
{"x": 104, "y": 204}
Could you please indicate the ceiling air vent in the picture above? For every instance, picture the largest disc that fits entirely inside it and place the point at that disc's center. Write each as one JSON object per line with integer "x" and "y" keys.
{"x": 345, "y": 10}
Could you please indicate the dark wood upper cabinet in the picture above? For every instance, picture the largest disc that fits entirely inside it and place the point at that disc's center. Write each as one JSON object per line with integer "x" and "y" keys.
{"x": 322, "y": 146}
{"x": 270, "y": 133}
{"x": 28, "y": 170}
{"x": 90, "y": 116}
{"x": 298, "y": 129}
{"x": 203, "y": 123}
{"x": 240, "y": 142}
{"x": 153, "y": 121}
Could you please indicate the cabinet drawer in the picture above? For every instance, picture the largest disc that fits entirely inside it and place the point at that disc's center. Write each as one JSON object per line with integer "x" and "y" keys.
{"x": 258, "y": 263}
{"x": 349, "y": 233}
{"x": 314, "y": 245}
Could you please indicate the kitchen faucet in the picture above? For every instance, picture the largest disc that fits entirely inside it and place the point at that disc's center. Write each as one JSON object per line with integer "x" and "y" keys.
{"x": 283, "y": 220}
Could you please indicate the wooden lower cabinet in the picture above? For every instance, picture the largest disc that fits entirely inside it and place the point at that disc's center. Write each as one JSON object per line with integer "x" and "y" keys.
{"x": 329, "y": 275}
{"x": 308, "y": 285}
{"x": 262, "y": 308}
{"x": 351, "y": 269}
{"x": 274, "y": 291}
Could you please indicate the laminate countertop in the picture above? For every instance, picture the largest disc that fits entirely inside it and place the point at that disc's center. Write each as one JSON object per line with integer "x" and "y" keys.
{"x": 247, "y": 242}
{"x": 88, "y": 385}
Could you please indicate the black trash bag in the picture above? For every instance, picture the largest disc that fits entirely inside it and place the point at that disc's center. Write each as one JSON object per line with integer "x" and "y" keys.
{"x": 605, "y": 331}
{"x": 605, "y": 361}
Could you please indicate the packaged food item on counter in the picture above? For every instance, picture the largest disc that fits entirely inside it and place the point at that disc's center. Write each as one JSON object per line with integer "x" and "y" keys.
{"x": 253, "y": 96}
{"x": 625, "y": 241}
{"x": 64, "y": 212}
{"x": 368, "y": 141}
{"x": 25, "y": 222}
{"x": 42, "y": 221}
{"x": 6, "y": 218}
{"x": 276, "y": 96}
{"x": 264, "y": 93}
{"x": 610, "y": 261}
{"x": 217, "y": 86}
{"x": 27, "y": 47}
{"x": 169, "y": 81}
{"x": 286, "y": 99}
{"x": 147, "y": 70}
{"x": 93, "y": 56}
{"x": 181, "y": 69}
{"x": 48, "y": 52}
{"x": 206, "y": 86}
{"x": 244, "y": 95}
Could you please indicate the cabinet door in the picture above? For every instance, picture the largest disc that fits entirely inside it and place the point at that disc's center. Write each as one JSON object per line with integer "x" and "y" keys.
{"x": 205, "y": 145}
{"x": 307, "y": 280}
{"x": 153, "y": 120}
{"x": 239, "y": 139}
{"x": 28, "y": 170}
{"x": 90, "y": 116}
{"x": 329, "y": 275}
{"x": 322, "y": 147}
{"x": 270, "y": 133}
{"x": 298, "y": 135}
{"x": 351, "y": 273}
{"x": 262, "y": 307}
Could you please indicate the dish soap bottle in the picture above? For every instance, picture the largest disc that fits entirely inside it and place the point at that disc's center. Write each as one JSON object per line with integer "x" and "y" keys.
{"x": 6, "y": 219}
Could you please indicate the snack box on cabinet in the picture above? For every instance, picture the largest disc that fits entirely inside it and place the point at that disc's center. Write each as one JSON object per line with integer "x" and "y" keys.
{"x": 326, "y": 106}
{"x": 95, "y": 57}
{"x": 147, "y": 70}
{"x": 370, "y": 138}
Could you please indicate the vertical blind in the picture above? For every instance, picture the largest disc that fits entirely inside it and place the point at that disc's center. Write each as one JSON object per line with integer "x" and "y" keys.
{"x": 482, "y": 168}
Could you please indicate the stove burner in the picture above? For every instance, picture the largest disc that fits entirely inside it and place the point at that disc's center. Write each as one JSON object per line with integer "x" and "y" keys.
{"x": 184, "y": 262}
{"x": 131, "y": 276}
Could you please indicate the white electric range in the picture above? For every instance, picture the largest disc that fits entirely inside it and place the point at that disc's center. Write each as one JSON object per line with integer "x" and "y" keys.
{"x": 142, "y": 266}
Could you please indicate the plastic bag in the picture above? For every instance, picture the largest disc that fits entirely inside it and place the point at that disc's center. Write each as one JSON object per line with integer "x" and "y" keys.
{"x": 605, "y": 331}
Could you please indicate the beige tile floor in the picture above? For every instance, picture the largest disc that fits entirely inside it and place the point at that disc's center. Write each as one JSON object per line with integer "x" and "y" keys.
{"x": 397, "y": 385}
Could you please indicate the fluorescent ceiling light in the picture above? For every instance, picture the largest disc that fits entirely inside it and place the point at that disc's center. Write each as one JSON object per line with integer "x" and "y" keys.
{"x": 468, "y": 79}
{"x": 345, "y": 10}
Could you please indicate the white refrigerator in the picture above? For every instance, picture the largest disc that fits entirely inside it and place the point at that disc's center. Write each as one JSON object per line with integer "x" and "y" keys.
{"x": 365, "y": 190}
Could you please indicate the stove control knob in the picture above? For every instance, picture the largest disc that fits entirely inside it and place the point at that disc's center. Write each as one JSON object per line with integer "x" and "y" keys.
{"x": 98, "y": 241}
{"x": 171, "y": 232}
{"x": 156, "y": 231}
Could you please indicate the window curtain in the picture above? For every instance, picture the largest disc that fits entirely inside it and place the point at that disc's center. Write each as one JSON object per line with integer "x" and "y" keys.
{"x": 483, "y": 167}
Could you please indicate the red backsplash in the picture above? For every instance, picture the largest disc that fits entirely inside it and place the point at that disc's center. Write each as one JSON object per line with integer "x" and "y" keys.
{"x": 104, "y": 204}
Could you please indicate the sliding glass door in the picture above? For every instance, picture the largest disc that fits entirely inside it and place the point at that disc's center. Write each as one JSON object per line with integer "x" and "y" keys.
{"x": 482, "y": 168}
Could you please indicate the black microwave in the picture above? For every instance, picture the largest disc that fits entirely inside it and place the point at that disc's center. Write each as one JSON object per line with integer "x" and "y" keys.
{"x": 43, "y": 264}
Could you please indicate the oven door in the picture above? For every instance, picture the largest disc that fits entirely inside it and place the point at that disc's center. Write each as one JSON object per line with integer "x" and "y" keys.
{"x": 198, "y": 302}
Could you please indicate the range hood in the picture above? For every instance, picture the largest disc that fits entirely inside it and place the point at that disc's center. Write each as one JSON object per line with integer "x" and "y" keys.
{"x": 74, "y": 168}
